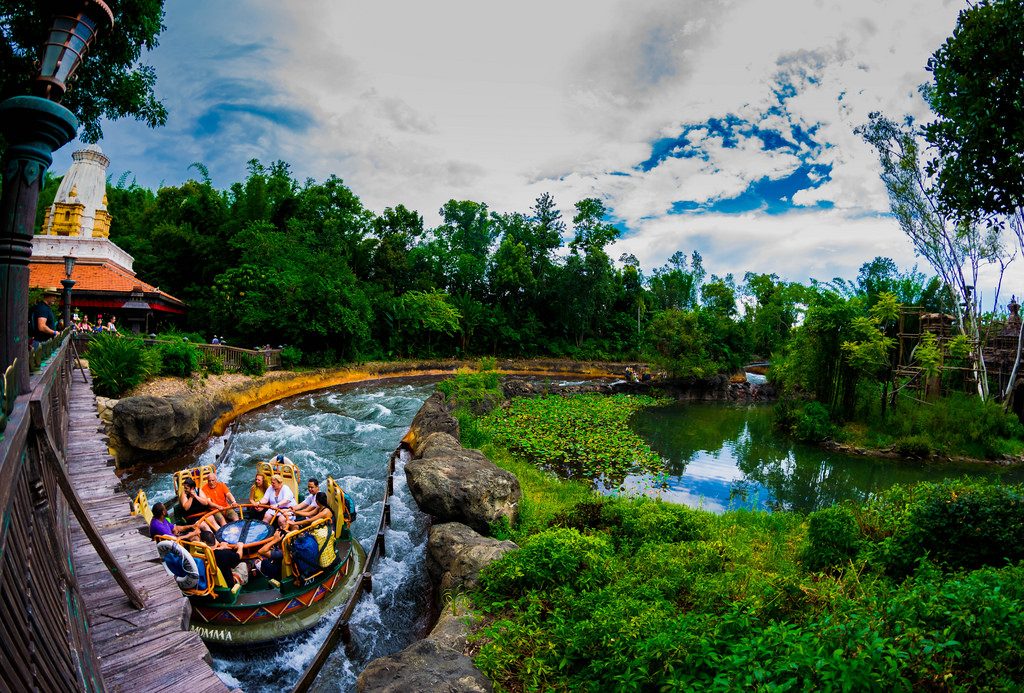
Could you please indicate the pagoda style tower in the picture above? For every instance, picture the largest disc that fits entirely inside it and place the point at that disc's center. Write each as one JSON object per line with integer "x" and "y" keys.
{"x": 77, "y": 226}
{"x": 80, "y": 206}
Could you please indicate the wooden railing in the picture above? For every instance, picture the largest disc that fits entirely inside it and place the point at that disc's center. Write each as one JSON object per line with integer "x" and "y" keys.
{"x": 43, "y": 629}
{"x": 43, "y": 626}
{"x": 341, "y": 631}
{"x": 230, "y": 356}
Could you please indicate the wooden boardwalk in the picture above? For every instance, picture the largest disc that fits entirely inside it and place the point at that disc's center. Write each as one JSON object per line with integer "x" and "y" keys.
{"x": 147, "y": 650}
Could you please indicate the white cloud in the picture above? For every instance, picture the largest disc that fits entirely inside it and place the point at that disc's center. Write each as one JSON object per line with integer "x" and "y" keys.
{"x": 418, "y": 102}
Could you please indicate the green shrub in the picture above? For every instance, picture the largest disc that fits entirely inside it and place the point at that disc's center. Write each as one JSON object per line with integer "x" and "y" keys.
{"x": 547, "y": 560}
{"x": 639, "y": 521}
{"x": 833, "y": 538}
{"x": 476, "y": 392}
{"x": 179, "y": 358}
{"x": 813, "y": 424}
{"x": 471, "y": 435}
{"x": 958, "y": 524}
{"x": 914, "y": 447}
{"x": 251, "y": 364}
{"x": 212, "y": 364}
{"x": 120, "y": 363}
{"x": 291, "y": 356}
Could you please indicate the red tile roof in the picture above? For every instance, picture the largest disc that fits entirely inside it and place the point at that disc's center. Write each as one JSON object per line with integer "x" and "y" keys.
{"x": 105, "y": 277}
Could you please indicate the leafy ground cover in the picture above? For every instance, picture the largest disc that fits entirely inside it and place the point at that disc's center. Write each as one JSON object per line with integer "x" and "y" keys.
{"x": 581, "y": 437}
{"x": 919, "y": 588}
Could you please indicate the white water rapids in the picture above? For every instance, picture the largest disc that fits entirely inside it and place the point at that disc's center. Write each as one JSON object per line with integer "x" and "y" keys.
{"x": 348, "y": 434}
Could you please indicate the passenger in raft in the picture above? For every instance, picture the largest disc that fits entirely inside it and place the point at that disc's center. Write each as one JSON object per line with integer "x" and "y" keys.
{"x": 323, "y": 510}
{"x": 194, "y": 506}
{"x": 278, "y": 497}
{"x": 161, "y": 526}
{"x": 309, "y": 506}
{"x": 258, "y": 488}
{"x": 229, "y": 560}
{"x": 220, "y": 497}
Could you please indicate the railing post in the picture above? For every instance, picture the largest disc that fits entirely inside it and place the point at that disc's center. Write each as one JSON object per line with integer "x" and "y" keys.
{"x": 387, "y": 513}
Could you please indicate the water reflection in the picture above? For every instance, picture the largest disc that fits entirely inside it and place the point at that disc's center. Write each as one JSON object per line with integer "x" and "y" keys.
{"x": 721, "y": 457}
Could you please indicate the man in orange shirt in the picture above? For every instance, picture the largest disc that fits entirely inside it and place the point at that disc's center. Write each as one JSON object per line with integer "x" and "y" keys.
{"x": 219, "y": 495}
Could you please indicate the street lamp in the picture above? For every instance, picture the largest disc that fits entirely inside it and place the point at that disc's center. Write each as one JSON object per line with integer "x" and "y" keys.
{"x": 34, "y": 127}
{"x": 68, "y": 283}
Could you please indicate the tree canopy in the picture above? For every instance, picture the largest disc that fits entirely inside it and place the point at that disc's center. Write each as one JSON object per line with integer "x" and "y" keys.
{"x": 977, "y": 95}
{"x": 110, "y": 83}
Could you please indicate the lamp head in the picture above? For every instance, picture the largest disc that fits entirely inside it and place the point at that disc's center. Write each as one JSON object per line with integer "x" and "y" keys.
{"x": 73, "y": 29}
{"x": 69, "y": 265}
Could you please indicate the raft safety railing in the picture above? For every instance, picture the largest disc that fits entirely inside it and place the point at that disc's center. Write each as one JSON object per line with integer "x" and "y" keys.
{"x": 341, "y": 631}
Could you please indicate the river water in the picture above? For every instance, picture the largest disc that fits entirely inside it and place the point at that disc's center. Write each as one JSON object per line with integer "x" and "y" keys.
{"x": 721, "y": 457}
{"x": 348, "y": 433}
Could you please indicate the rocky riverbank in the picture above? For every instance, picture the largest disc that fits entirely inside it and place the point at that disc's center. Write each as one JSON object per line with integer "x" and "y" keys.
{"x": 464, "y": 493}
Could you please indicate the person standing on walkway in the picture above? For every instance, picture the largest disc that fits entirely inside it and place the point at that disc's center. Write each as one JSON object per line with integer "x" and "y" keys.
{"x": 42, "y": 322}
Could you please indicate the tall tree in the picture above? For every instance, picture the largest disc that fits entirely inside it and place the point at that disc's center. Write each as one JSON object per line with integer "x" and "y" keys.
{"x": 957, "y": 249}
{"x": 978, "y": 97}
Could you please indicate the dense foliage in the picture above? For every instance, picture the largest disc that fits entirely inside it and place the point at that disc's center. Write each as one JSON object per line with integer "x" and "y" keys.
{"x": 120, "y": 363}
{"x": 978, "y": 98}
{"x": 111, "y": 83}
{"x": 634, "y": 594}
{"x": 274, "y": 261}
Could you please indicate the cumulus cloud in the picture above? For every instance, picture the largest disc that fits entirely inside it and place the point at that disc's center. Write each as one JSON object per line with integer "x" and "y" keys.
{"x": 723, "y": 126}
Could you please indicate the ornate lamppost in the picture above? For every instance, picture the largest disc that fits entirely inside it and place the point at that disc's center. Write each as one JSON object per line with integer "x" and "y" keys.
{"x": 35, "y": 127}
{"x": 68, "y": 283}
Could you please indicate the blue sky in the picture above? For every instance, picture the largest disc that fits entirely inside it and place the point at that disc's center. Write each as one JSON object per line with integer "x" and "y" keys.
{"x": 722, "y": 126}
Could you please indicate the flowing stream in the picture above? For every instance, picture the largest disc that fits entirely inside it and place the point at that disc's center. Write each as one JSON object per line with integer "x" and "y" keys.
{"x": 347, "y": 433}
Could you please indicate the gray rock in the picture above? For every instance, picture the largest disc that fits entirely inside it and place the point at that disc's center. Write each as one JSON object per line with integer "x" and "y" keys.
{"x": 464, "y": 486}
{"x": 426, "y": 665}
{"x": 456, "y": 555}
{"x": 454, "y": 625}
{"x": 146, "y": 426}
{"x": 436, "y": 444}
{"x": 434, "y": 416}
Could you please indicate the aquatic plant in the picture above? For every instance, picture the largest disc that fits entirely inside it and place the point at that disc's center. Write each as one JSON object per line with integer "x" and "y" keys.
{"x": 583, "y": 436}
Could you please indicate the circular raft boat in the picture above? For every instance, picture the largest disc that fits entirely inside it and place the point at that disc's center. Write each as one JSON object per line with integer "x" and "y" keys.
{"x": 308, "y": 567}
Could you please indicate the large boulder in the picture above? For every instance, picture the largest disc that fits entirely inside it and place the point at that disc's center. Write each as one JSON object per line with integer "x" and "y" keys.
{"x": 435, "y": 416}
{"x": 427, "y": 665}
{"x": 146, "y": 426}
{"x": 463, "y": 486}
{"x": 456, "y": 555}
{"x": 436, "y": 445}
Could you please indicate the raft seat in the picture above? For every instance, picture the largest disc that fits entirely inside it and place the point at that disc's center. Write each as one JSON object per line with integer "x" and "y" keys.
{"x": 336, "y": 502}
{"x": 140, "y": 506}
{"x": 214, "y": 579}
{"x": 198, "y": 475}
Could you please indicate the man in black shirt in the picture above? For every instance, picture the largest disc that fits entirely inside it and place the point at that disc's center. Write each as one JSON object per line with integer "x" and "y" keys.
{"x": 229, "y": 560}
{"x": 42, "y": 323}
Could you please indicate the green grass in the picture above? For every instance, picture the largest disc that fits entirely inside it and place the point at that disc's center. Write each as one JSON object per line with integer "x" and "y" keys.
{"x": 618, "y": 593}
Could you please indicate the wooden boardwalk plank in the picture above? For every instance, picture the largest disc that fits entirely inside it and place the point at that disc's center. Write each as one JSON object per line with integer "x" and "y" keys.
{"x": 146, "y": 650}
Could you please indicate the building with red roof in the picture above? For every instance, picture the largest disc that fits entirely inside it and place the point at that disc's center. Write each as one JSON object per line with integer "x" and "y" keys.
{"x": 77, "y": 225}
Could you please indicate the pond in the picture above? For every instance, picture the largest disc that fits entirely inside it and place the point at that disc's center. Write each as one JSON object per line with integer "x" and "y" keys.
{"x": 348, "y": 433}
{"x": 721, "y": 457}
